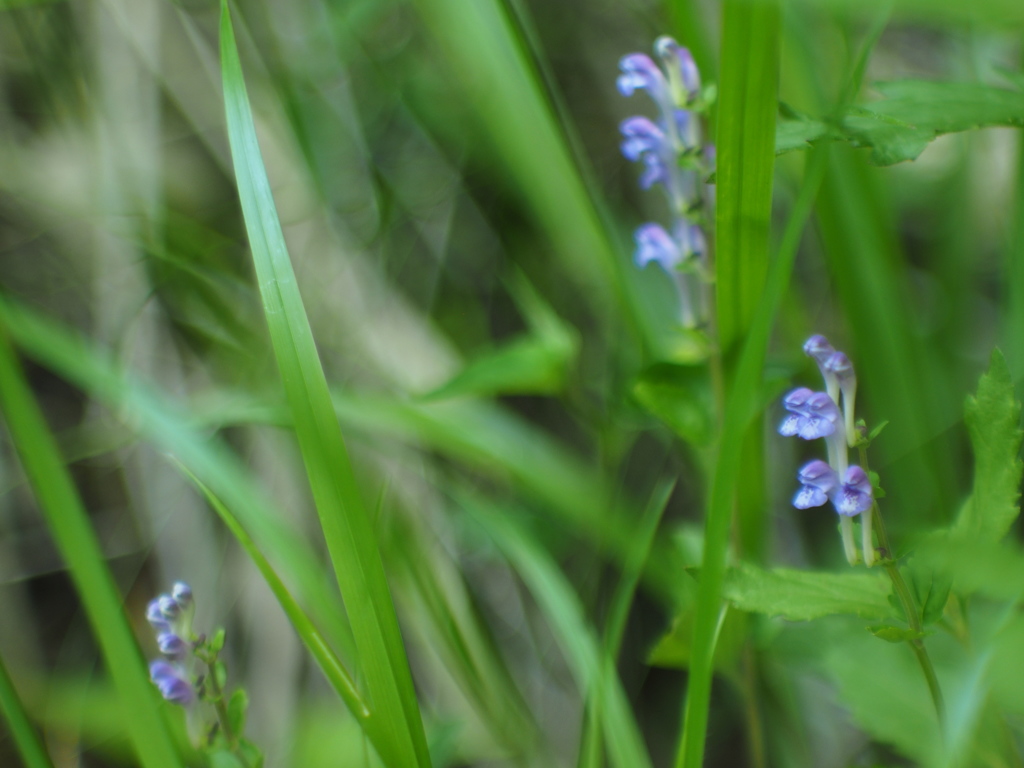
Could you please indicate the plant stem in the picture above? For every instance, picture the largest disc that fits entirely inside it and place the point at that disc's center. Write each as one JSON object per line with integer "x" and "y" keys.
{"x": 222, "y": 712}
{"x": 910, "y": 609}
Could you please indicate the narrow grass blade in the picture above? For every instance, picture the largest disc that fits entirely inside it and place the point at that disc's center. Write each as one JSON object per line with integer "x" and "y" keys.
{"x": 563, "y": 610}
{"x": 347, "y": 527}
{"x": 321, "y": 651}
{"x": 31, "y": 749}
{"x": 618, "y": 613}
{"x": 740, "y": 410}
{"x": 69, "y": 525}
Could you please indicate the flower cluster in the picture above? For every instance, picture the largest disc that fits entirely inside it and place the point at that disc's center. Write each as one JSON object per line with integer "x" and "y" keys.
{"x": 672, "y": 153}
{"x": 171, "y": 618}
{"x": 816, "y": 414}
{"x": 191, "y": 674}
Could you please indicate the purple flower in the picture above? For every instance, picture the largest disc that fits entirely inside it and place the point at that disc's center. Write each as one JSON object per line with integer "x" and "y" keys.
{"x": 854, "y": 496}
{"x": 818, "y": 347}
{"x": 182, "y": 594}
{"x": 818, "y": 480}
{"x": 653, "y": 243}
{"x": 172, "y": 645}
{"x": 156, "y": 617}
{"x": 640, "y": 72}
{"x": 681, "y": 68}
{"x": 171, "y": 683}
{"x": 812, "y": 414}
{"x": 647, "y": 142}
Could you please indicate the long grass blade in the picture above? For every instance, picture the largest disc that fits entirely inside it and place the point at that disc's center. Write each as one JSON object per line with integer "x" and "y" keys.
{"x": 31, "y": 749}
{"x": 76, "y": 540}
{"x": 347, "y": 526}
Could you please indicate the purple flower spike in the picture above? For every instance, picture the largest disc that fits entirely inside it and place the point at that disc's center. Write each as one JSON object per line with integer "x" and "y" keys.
{"x": 172, "y": 685}
{"x": 812, "y": 414}
{"x": 854, "y": 496}
{"x": 172, "y": 645}
{"x": 653, "y": 243}
{"x": 818, "y": 480}
{"x": 640, "y": 72}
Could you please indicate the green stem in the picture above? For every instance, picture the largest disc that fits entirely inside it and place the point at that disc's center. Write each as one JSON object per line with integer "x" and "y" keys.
{"x": 222, "y": 712}
{"x": 913, "y": 617}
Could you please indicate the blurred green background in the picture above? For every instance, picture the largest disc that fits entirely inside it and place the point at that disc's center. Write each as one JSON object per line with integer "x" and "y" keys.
{"x": 449, "y": 181}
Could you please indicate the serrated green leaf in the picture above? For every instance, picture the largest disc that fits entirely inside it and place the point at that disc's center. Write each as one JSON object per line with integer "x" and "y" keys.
{"x": 804, "y": 595}
{"x": 993, "y": 417}
{"x": 911, "y": 114}
{"x": 930, "y": 588}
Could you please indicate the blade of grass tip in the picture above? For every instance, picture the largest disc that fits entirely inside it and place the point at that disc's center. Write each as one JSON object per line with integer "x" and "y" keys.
{"x": 564, "y": 612}
{"x": 348, "y": 529}
{"x": 618, "y": 612}
{"x": 76, "y": 541}
{"x": 739, "y": 411}
{"x": 321, "y": 651}
{"x": 20, "y": 727}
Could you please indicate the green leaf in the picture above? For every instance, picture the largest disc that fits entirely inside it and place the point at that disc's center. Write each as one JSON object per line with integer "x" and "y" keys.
{"x": 347, "y": 527}
{"x": 673, "y": 649}
{"x": 217, "y": 641}
{"x": 237, "y": 706}
{"x": 992, "y": 417}
{"x": 892, "y": 634}
{"x": 804, "y": 595}
{"x": 911, "y": 114}
{"x": 680, "y": 396}
{"x": 930, "y": 587}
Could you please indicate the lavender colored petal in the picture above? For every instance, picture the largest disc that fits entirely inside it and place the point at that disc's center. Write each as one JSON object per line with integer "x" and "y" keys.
{"x": 854, "y": 496}
{"x": 172, "y": 645}
{"x": 155, "y": 616}
{"x": 640, "y": 72}
{"x": 809, "y": 496}
{"x": 653, "y": 243}
{"x": 839, "y": 364}
{"x": 818, "y": 347}
{"x": 182, "y": 594}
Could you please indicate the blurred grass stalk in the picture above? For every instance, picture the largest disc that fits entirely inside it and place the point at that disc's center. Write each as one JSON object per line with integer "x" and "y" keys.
{"x": 745, "y": 143}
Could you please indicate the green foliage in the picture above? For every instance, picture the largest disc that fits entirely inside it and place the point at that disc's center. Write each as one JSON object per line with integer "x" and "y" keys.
{"x": 911, "y": 114}
{"x": 993, "y": 421}
{"x": 804, "y": 595}
{"x": 680, "y": 396}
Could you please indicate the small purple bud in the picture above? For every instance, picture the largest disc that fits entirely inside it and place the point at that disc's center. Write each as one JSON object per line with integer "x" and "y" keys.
{"x": 812, "y": 414}
{"x": 182, "y": 594}
{"x": 818, "y": 480}
{"x": 854, "y": 496}
{"x": 168, "y": 607}
{"x": 640, "y": 72}
{"x": 171, "y": 683}
{"x": 155, "y": 616}
{"x": 172, "y": 645}
{"x": 839, "y": 364}
{"x": 818, "y": 347}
